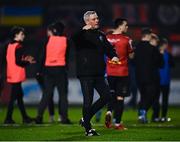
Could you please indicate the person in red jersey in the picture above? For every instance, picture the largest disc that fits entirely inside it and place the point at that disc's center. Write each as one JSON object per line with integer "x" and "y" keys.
{"x": 118, "y": 73}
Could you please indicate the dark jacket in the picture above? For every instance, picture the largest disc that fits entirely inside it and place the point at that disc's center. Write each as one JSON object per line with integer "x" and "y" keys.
{"x": 147, "y": 61}
{"x": 91, "y": 47}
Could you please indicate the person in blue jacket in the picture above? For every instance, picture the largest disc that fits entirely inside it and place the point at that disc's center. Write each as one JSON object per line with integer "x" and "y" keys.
{"x": 165, "y": 79}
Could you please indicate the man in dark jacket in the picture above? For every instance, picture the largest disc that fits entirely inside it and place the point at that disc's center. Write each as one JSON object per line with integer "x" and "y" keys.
{"x": 164, "y": 83}
{"x": 147, "y": 61}
{"x": 91, "y": 46}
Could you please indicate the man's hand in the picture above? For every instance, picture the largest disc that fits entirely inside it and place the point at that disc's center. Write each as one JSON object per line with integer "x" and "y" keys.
{"x": 131, "y": 55}
{"x": 29, "y": 59}
{"x": 87, "y": 27}
{"x": 161, "y": 51}
{"x": 115, "y": 60}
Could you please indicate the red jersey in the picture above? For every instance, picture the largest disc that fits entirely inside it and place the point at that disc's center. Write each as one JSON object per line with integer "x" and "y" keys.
{"x": 122, "y": 45}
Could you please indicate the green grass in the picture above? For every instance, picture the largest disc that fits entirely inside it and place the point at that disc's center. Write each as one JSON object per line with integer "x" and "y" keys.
{"x": 149, "y": 132}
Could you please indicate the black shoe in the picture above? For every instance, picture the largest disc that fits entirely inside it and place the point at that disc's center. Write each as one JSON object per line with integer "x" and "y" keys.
{"x": 38, "y": 120}
{"x": 28, "y": 120}
{"x": 66, "y": 121}
{"x": 81, "y": 122}
{"x": 92, "y": 132}
{"x": 9, "y": 121}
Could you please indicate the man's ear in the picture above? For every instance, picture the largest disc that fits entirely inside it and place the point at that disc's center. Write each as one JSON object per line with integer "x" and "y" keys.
{"x": 86, "y": 22}
{"x": 54, "y": 31}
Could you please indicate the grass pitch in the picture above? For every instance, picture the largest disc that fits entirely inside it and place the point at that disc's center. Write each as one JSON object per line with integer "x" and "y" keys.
{"x": 149, "y": 132}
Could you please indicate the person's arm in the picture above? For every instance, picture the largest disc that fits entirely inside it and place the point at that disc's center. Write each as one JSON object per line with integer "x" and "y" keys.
{"x": 130, "y": 50}
{"x": 78, "y": 39}
{"x": 2, "y": 61}
{"x": 19, "y": 54}
{"x": 171, "y": 61}
{"x": 158, "y": 58}
{"x": 41, "y": 58}
{"x": 69, "y": 43}
{"x": 109, "y": 49}
{"x": 21, "y": 59}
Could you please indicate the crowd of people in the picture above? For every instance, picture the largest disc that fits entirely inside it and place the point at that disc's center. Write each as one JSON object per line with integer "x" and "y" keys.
{"x": 112, "y": 64}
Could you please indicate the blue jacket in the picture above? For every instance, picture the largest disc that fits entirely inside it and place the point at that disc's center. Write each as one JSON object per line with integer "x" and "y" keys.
{"x": 165, "y": 76}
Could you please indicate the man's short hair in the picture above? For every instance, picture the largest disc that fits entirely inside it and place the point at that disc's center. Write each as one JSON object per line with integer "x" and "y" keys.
{"x": 57, "y": 28}
{"x": 87, "y": 14}
{"x": 154, "y": 36}
{"x": 119, "y": 21}
{"x": 146, "y": 31}
{"x": 163, "y": 41}
{"x": 15, "y": 30}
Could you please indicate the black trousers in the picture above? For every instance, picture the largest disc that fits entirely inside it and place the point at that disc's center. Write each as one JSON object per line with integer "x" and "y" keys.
{"x": 119, "y": 87}
{"x": 164, "y": 90}
{"x": 40, "y": 80}
{"x": 16, "y": 94}
{"x": 52, "y": 80}
{"x": 88, "y": 84}
{"x": 147, "y": 95}
{"x": 133, "y": 86}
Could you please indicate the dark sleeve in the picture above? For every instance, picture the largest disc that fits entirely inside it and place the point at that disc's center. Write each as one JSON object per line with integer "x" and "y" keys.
{"x": 109, "y": 50}
{"x": 171, "y": 61}
{"x": 86, "y": 39}
{"x": 77, "y": 39}
{"x": 19, "y": 53}
{"x": 41, "y": 58}
{"x": 69, "y": 43}
{"x": 2, "y": 61}
{"x": 158, "y": 58}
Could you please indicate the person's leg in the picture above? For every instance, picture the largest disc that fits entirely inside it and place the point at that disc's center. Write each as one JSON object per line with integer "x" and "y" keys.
{"x": 40, "y": 80}
{"x": 145, "y": 101}
{"x": 122, "y": 91}
{"x": 111, "y": 82}
{"x": 111, "y": 102}
{"x": 148, "y": 98}
{"x": 156, "y": 105}
{"x": 20, "y": 102}
{"x": 51, "y": 109}
{"x": 62, "y": 86}
{"x": 133, "y": 86}
{"x": 165, "y": 98}
{"x": 10, "y": 108}
{"x": 48, "y": 91}
{"x": 87, "y": 90}
{"x": 103, "y": 90}
{"x": 142, "y": 95}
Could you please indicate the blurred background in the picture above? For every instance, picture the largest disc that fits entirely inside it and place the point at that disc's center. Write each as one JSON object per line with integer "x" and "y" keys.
{"x": 163, "y": 16}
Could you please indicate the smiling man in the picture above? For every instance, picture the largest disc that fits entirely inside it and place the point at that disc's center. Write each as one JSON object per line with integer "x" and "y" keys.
{"x": 91, "y": 46}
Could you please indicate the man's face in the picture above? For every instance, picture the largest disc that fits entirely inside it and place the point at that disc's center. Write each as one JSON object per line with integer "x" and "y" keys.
{"x": 164, "y": 46}
{"x": 49, "y": 33}
{"x": 20, "y": 36}
{"x": 93, "y": 21}
{"x": 124, "y": 27}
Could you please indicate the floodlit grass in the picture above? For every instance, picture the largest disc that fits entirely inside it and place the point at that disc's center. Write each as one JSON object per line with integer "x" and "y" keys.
{"x": 47, "y": 131}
